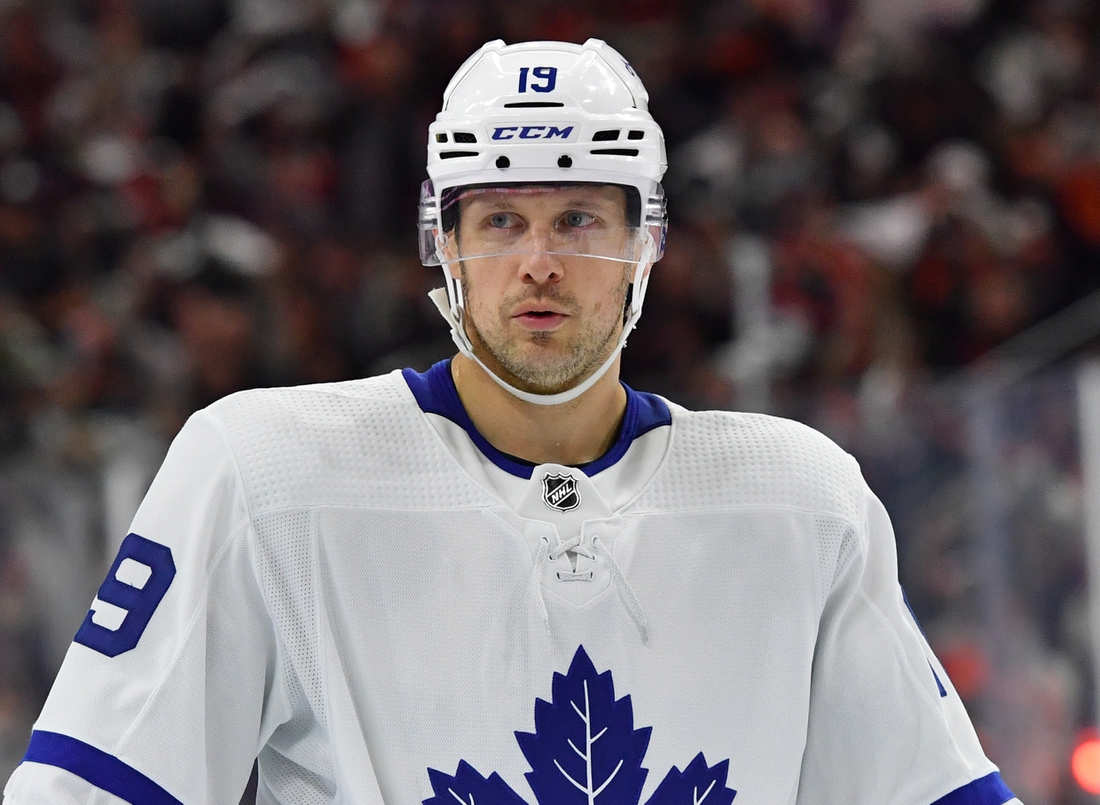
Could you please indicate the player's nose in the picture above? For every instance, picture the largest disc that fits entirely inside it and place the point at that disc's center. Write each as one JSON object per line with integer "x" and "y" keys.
{"x": 539, "y": 262}
{"x": 541, "y": 267}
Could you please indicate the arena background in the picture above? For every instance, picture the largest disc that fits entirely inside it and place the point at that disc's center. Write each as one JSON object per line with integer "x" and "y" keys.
{"x": 885, "y": 223}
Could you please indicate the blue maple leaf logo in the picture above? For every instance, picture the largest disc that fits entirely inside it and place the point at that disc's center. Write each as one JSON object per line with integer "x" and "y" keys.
{"x": 585, "y": 751}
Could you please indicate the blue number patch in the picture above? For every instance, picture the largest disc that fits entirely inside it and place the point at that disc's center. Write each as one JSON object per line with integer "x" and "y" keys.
{"x": 545, "y": 79}
{"x": 139, "y": 602}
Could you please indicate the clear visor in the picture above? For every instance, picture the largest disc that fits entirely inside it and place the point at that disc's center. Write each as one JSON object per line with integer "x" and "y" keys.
{"x": 567, "y": 221}
{"x": 620, "y": 243}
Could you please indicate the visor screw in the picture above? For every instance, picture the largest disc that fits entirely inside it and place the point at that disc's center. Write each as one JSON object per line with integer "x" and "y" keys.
{"x": 565, "y": 161}
{"x": 503, "y": 162}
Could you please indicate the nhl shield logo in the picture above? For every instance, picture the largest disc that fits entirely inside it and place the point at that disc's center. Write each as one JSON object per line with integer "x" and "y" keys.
{"x": 560, "y": 492}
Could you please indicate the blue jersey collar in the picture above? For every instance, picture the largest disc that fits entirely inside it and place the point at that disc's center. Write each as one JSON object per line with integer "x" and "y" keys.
{"x": 435, "y": 392}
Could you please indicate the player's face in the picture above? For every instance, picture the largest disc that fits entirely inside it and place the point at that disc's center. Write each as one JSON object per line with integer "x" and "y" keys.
{"x": 543, "y": 318}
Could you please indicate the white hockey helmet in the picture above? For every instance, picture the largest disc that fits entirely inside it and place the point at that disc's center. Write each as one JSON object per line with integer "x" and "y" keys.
{"x": 544, "y": 113}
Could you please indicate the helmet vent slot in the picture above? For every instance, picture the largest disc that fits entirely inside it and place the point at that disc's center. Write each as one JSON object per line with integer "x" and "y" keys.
{"x": 615, "y": 152}
{"x": 465, "y": 137}
{"x": 532, "y": 104}
{"x": 455, "y": 154}
{"x": 441, "y": 137}
{"x": 606, "y": 134}
{"x": 635, "y": 134}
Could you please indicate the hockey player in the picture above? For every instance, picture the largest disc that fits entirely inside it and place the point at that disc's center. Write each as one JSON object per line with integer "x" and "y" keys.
{"x": 510, "y": 579}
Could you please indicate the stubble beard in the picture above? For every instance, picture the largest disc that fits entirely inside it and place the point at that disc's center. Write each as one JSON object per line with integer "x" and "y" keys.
{"x": 531, "y": 359}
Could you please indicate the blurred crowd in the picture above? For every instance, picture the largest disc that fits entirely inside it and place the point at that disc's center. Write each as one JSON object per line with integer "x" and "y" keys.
{"x": 865, "y": 196}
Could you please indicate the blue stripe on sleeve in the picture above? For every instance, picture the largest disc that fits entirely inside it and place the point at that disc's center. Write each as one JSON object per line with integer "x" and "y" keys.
{"x": 96, "y": 767}
{"x": 988, "y": 790}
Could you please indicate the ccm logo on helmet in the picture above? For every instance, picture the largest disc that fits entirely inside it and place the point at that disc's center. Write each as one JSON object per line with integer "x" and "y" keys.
{"x": 533, "y": 131}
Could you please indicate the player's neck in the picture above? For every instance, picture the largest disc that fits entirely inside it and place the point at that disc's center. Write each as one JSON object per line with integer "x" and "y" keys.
{"x": 572, "y": 433}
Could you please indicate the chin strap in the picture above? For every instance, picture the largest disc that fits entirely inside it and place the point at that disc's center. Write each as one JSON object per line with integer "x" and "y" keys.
{"x": 448, "y": 301}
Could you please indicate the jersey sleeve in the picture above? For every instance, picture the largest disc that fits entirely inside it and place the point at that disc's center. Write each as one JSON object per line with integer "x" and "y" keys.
{"x": 886, "y": 725}
{"x": 170, "y": 686}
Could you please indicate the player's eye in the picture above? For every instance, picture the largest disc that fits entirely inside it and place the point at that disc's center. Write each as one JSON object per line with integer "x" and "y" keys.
{"x": 576, "y": 219}
{"x": 502, "y": 220}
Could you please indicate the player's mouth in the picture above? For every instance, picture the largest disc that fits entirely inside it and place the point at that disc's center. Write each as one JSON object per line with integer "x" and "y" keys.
{"x": 533, "y": 318}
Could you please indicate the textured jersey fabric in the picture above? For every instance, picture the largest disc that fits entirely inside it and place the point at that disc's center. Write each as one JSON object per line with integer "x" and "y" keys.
{"x": 345, "y": 584}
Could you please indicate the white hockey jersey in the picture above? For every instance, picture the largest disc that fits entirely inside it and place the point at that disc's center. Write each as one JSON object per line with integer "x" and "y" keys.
{"x": 349, "y": 582}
